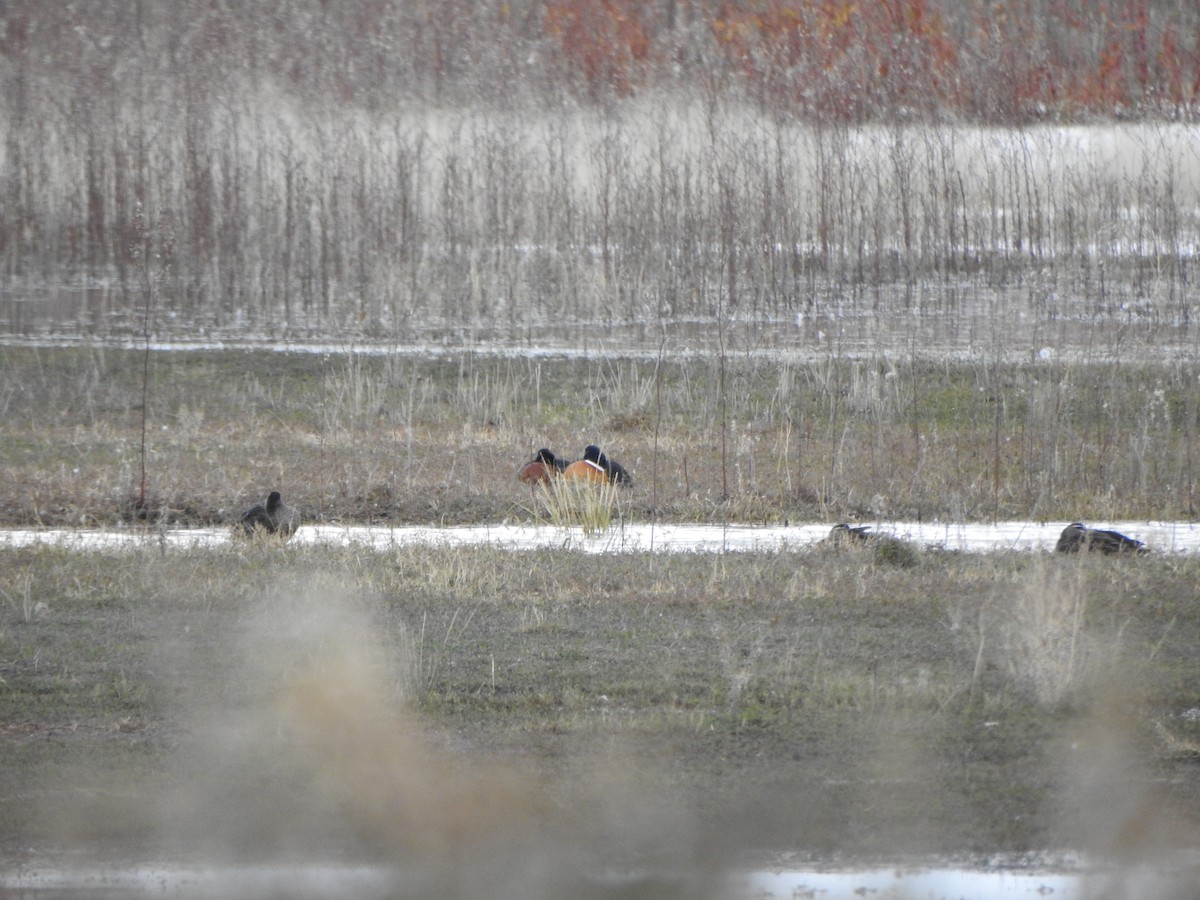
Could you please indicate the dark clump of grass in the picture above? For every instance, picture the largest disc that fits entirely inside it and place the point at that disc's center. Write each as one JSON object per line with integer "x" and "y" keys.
{"x": 895, "y": 552}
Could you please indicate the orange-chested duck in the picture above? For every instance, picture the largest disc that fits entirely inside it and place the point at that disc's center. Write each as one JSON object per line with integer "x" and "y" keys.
{"x": 596, "y": 466}
{"x": 543, "y": 467}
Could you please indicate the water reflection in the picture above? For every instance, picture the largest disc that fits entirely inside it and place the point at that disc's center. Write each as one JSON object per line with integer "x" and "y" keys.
{"x": 1161, "y": 537}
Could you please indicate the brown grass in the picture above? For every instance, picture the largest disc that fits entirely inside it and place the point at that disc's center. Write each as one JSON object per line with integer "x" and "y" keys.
{"x": 351, "y": 438}
{"x": 445, "y": 707}
{"x": 573, "y": 503}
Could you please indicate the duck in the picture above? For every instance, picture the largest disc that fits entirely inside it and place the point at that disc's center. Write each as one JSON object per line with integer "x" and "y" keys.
{"x": 273, "y": 517}
{"x": 596, "y": 466}
{"x": 850, "y": 533}
{"x": 1077, "y": 536}
{"x": 544, "y": 466}
{"x": 883, "y": 547}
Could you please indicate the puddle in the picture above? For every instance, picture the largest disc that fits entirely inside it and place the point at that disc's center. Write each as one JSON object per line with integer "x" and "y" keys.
{"x": 956, "y": 884}
{"x": 1162, "y": 537}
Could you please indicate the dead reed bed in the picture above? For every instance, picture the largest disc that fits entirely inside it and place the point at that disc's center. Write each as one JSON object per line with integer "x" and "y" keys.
{"x": 443, "y": 223}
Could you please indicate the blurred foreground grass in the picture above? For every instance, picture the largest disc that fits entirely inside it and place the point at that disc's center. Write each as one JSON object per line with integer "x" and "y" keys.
{"x": 447, "y": 705}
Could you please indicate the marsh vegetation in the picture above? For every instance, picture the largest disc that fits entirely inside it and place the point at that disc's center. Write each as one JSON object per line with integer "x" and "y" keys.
{"x": 747, "y": 438}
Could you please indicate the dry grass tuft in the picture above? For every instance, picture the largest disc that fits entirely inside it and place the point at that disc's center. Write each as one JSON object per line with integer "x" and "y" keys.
{"x": 1045, "y": 644}
{"x": 375, "y": 765}
{"x": 574, "y": 503}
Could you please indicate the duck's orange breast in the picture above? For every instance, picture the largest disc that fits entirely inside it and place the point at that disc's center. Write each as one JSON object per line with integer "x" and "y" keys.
{"x": 536, "y": 472}
{"x": 585, "y": 470}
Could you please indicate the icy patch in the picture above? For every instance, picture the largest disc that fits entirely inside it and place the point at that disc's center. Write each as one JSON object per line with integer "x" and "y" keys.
{"x": 1160, "y": 537}
{"x": 955, "y": 884}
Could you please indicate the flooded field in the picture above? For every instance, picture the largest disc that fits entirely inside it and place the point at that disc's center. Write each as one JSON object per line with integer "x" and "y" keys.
{"x": 1029, "y": 323}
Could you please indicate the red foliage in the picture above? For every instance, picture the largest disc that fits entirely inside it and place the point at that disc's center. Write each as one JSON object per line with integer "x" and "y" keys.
{"x": 604, "y": 39}
{"x": 846, "y": 59}
{"x": 838, "y": 57}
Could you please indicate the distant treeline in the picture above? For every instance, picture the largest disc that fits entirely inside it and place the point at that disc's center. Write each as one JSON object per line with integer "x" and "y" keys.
{"x": 994, "y": 61}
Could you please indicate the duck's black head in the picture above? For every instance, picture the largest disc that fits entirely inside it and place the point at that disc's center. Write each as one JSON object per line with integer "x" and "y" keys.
{"x": 547, "y": 457}
{"x": 274, "y": 501}
{"x": 593, "y": 455}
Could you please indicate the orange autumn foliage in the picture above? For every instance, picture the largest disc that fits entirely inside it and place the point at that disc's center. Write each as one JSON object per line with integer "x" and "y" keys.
{"x": 605, "y": 39}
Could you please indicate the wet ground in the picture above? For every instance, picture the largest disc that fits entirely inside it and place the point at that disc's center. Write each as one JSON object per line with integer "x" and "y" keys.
{"x": 1043, "y": 319}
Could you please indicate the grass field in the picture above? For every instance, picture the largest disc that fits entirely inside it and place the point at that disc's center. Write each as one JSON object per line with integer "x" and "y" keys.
{"x": 351, "y": 437}
{"x": 806, "y": 263}
{"x": 452, "y": 707}
{"x": 431, "y": 704}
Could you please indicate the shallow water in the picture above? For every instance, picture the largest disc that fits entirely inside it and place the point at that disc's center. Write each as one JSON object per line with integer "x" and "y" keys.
{"x": 956, "y": 884}
{"x": 1163, "y": 537}
{"x": 1029, "y": 322}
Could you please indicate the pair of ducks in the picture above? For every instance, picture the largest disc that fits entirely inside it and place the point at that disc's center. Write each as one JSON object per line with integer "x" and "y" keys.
{"x": 594, "y": 466}
{"x": 1075, "y": 537}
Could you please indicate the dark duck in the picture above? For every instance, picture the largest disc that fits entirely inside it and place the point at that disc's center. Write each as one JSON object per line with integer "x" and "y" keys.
{"x": 273, "y": 517}
{"x": 596, "y": 466}
{"x": 1077, "y": 537}
{"x": 849, "y": 533}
